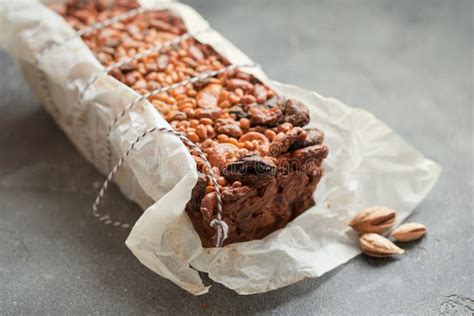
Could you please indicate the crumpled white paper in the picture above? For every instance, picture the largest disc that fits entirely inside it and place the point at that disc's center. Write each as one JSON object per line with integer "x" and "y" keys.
{"x": 368, "y": 163}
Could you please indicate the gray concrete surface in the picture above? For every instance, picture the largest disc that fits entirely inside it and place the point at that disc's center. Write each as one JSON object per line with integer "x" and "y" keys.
{"x": 408, "y": 62}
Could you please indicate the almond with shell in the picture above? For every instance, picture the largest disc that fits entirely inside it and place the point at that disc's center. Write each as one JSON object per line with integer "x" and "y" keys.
{"x": 375, "y": 245}
{"x": 373, "y": 220}
{"x": 409, "y": 232}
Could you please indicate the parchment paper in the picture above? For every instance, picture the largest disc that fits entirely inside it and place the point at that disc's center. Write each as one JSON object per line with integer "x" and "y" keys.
{"x": 368, "y": 164}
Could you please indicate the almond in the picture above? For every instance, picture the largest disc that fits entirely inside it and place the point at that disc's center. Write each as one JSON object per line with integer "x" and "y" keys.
{"x": 409, "y": 232}
{"x": 375, "y": 245}
{"x": 373, "y": 220}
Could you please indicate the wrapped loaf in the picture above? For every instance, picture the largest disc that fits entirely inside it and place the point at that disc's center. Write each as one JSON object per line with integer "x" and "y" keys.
{"x": 267, "y": 162}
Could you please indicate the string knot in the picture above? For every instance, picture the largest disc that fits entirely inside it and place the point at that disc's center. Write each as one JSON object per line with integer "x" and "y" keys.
{"x": 222, "y": 228}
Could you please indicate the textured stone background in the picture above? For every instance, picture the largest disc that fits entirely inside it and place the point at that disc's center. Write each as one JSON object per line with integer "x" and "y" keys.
{"x": 408, "y": 62}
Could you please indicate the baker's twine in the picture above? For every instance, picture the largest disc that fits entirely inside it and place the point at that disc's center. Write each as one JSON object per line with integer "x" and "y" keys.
{"x": 218, "y": 224}
{"x": 107, "y": 22}
{"x": 201, "y": 77}
{"x": 160, "y": 47}
{"x": 124, "y": 61}
{"x": 104, "y": 23}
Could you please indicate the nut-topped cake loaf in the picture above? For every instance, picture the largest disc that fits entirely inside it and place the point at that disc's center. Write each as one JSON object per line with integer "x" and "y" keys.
{"x": 268, "y": 165}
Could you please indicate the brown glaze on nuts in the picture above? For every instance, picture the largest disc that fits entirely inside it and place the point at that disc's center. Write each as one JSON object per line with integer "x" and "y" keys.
{"x": 283, "y": 141}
